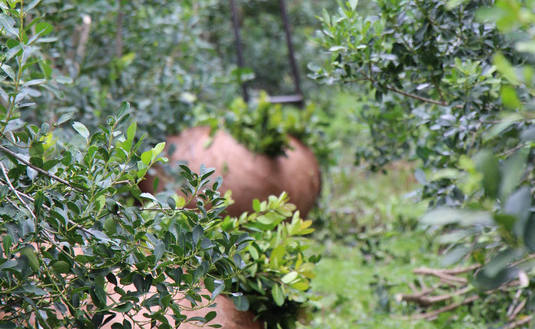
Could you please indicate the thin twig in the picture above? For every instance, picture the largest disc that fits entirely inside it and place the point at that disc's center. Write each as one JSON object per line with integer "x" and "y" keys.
{"x": 119, "y": 32}
{"x": 461, "y": 270}
{"x": 441, "y": 274}
{"x": 518, "y": 323}
{"x": 447, "y": 308}
{"x": 424, "y": 300}
{"x": 417, "y": 97}
{"x": 120, "y": 182}
{"x": 167, "y": 209}
{"x": 82, "y": 41}
{"x": 518, "y": 309}
{"x": 513, "y": 304}
{"x": 414, "y": 96}
{"x": 42, "y": 171}
{"x": 12, "y": 188}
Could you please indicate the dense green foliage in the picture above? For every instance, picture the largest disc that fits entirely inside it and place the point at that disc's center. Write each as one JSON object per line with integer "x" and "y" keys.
{"x": 274, "y": 285}
{"x": 452, "y": 82}
{"x": 265, "y": 128}
{"x": 80, "y": 243}
{"x": 149, "y": 53}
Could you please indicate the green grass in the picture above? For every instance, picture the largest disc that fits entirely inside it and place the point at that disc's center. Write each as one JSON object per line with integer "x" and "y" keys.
{"x": 371, "y": 242}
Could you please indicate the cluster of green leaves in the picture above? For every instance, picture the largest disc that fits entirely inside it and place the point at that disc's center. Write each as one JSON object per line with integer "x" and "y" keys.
{"x": 265, "y": 128}
{"x": 82, "y": 246}
{"x": 70, "y": 241}
{"x": 269, "y": 274}
{"x": 278, "y": 273}
{"x": 453, "y": 83}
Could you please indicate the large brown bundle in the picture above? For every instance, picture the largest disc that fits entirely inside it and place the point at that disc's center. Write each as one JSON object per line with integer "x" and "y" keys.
{"x": 248, "y": 175}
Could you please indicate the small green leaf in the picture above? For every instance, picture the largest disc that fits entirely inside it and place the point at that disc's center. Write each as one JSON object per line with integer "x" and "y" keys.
{"x": 256, "y": 205}
{"x": 110, "y": 226}
{"x": 7, "y": 242}
{"x": 509, "y": 98}
{"x": 159, "y": 250}
{"x": 61, "y": 267}
{"x": 148, "y": 196}
{"x": 146, "y": 157}
{"x": 288, "y": 278}
{"x": 7, "y": 24}
{"x": 81, "y": 129}
{"x": 157, "y": 150}
{"x": 9, "y": 71}
{"x": 518, "y": 205}
{"x": 30, "y": 255}
{"x": 210, "y": 316}
{"x": 278, "y": 295}
{"x": 43, "y": 28}
{"x": 63, "y": 80}
{"x": 487, "y": 164}
{"x": 506, "y": 69}
{"x": 454, "y": 3}
{"x": 513, "y": 170}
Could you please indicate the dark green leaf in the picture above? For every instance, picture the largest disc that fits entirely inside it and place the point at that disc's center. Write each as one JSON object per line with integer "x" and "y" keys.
{"x": 241, "y": 302}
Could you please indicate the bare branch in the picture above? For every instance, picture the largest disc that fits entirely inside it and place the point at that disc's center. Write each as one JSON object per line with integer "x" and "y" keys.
{"x": 434, "y": 314}
{"x": 424, "y": 300}
{"x": 119, "y": 32}
{"x": 461, "y": 270}
{"x": 441, "y": 274}
{"x": 84, "y": 38}
{"x": 512, "y": 307}
{"x": 518, "y": 309}
{"x": 518, "y": 323}
{"x": 407, "y": 94}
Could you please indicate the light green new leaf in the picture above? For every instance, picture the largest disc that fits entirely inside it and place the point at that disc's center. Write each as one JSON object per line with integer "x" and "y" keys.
{"x": 506, "y": 69}
{"x": 278, "y": 295}
{"x": 81, "y": 129}
{"x": 288, "y": 278}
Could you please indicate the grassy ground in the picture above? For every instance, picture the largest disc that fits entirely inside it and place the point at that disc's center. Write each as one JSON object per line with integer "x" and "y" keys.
{"x": 371, "y": 242}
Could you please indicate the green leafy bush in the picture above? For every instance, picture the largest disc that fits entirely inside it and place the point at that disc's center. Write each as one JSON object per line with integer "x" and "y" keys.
{"x": 265, "y": 128}
{"x": 148, "y": 53}
{"x": 279, "y": 272}
{"x": 81, "y": 244}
